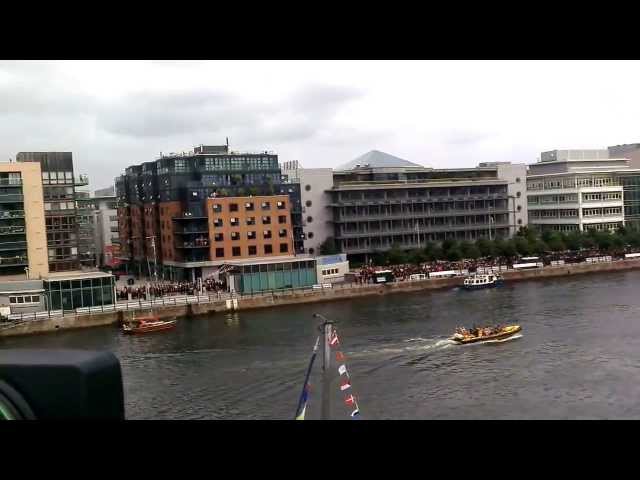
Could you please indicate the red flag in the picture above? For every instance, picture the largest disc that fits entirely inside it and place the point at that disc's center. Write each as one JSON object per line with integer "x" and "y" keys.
{"x": 350, "y": 400}
{"x": 339, "y": 356}
{"x": 334, "y": 340}
{"x": 345, "y": 385}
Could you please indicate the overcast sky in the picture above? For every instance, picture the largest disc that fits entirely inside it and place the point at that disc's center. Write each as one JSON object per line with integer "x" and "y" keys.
{"x": 322, "y": 113}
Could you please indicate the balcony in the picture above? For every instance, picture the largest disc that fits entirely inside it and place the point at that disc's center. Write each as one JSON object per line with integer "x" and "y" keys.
{"x": 10, "y": 182}
{"x": 197, "y": 243}
{"x": 12, "y": 261}
{"x": 12, "y": 230}
{"x": 4, "y": 246}
{"x": 12, "y": 198}
{"x": 423, "y": 230}
{"x": 6, "y": 214}
{"x": 81, "y": 180}
{"x": 360, "y": 217}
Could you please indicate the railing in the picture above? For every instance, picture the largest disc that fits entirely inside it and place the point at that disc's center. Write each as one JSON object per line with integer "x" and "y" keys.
{"x": 8, "y": 261}
{"x": 11, "y": 214}
{"x": 11, "y": 182}
{"x": 12, "y": 230}
{"x": 204, "y": 244}
{"x": 11, "y": 198}
{"x": 81, "y": 180}
{"x": 13, "y": 245}
{"x": 362, "y": 217}
{"x": 181, "y": 300}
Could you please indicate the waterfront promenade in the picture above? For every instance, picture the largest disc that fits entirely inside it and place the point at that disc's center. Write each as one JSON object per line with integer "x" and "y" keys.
{"x": 193, "y": 305}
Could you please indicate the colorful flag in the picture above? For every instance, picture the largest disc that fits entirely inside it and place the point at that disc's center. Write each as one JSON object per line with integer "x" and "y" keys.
{"x": 355, "y": 413}
{"x": 342, "y": 369}
{"x": 345, "y": 385}
{"x": 301, "y": 415}
{"x": 350, "y": 400}
{"x": 334, "y": 340}
{"x": 339, "y": 356}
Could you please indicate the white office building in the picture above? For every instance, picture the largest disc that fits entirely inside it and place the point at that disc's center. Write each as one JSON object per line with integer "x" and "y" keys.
{"x": 315, "y": 184}
{"x": 569, "y": 190}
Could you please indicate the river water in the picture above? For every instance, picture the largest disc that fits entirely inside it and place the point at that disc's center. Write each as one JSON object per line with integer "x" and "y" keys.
{"x": 578, "y": 356}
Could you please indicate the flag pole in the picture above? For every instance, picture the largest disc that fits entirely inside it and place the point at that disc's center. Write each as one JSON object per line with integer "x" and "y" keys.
{"x": 326, "y": 376}
{"x": 305, "y": 386}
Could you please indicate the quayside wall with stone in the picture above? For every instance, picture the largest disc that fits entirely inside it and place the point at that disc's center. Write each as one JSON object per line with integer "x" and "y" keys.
{"x": 274, "y": 299}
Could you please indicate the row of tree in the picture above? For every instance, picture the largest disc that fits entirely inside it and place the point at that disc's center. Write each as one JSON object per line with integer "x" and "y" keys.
{"x": 526, "y": 242}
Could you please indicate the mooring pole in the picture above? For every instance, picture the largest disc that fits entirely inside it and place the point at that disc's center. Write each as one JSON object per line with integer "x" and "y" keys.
{"x": 326, "y": 364}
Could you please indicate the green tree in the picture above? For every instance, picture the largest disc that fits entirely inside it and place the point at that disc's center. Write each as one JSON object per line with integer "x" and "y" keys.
{"x": 587, "y": 239}
{"x": 486, "y": 247}
{"x": 329, "y": 247}
{"x": 465, "y": 247}
{"x": 556, "y": 244}
{"x": 522, "y": 245}
{"x": 573, "y": 241}
{"x": 538, "y": 247}
{"x": 454, "y": 254}
{"x": 617, "y": 242}
{"x": 547, "y": 235}
{"x": 506, "y": 248}
{"x": 473, "y": 252}
{"x": 603, "y": 241}
{"x": 396, "y": 256}
{"x": 448, "y": 244}
{"x": 417, "y": 256}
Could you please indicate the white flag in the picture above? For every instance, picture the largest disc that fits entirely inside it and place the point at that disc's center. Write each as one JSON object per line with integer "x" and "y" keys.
{"x": 342, "y": 369}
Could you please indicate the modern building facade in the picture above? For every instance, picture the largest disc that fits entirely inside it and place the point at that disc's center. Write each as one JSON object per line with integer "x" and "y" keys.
{"x": 23, "y": 236}
{"x": 571, "y": 190}
{"x": 165, "y": 210}
{"x": 105, "y": 219}
{"x": 379, "y": 201}
{"x": 317, "y": 220}
{"x": 630, "y": 182}
{"x": 59, "y": 182}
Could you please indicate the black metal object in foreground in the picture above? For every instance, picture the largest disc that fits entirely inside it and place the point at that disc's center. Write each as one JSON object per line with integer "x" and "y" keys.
{"x": 60, "y": 384}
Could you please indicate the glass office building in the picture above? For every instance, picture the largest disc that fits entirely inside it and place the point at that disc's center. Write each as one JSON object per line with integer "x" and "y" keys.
{"x": 261, "y": 277}
{"x": 68, "y": 293}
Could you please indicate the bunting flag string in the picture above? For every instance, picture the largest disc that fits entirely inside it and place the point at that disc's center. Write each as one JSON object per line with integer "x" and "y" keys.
{"x": 345, "y": 385}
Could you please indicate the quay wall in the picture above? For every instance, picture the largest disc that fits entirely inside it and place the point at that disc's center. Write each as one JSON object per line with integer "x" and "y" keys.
{"x": 273, "y": 299}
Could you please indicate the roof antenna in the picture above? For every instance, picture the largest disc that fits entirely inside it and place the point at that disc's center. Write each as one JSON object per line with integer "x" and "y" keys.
{"x": 227, "y": 142}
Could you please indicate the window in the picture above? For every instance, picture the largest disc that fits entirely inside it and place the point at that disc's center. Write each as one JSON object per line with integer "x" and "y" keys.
{"x": 282, "y": 232}
{"x": 180, "y": 165}
{"x": 308, "y": 203}
{"x": 248, "y": 207}
{"x": 217, "y": 207}
{"x": 233, "y": 207}
{"x": 282, "y": 219}
{"x": 268, "y": 249}
{"x": 266, "y": 206}
{"x": 307, "y": 187}
{"x": 235, "y": 251}
{"x": 235, "y": 235}
{"x": 251, "y": 221}
{"x": 517, "y": 179}
{"x": 310, "y": 235}
{"x": 309, "y": 219}
{"x": 284, "y": 248}
{"x": 47, "y": 206}
{"x": 311, "y": 251}
{"x": 266, "y": 234}
{"x": 217, "y": 222}
{"x": 281, "y": 205}
{"x": 219, "y": 252}
{"x": 253, "y": 250}
{"x": 234, "y": 222}
{"x": 518, "y": 194}
{"x": 519, "y": 221}
{"x": 25, "y": 299}
{"x": 519, "y": 207}
{"x": 266, "y": 220}
{"x": 251, "y": 235}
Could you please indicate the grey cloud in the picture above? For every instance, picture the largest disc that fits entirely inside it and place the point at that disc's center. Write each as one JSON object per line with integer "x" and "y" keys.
{"x": 465, "y": 138}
